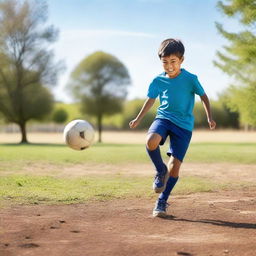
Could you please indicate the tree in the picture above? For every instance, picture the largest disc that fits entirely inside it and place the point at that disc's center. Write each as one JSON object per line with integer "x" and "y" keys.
{"x": 132, "y": 108}
{"x": 242, "y": 100}
{"x": 26, "y": 63}
{"x": 100, "y": 82}
{"x": 60, "y": 116}
{"x": 226, "y": 119}
{"x": 239, "y": 59}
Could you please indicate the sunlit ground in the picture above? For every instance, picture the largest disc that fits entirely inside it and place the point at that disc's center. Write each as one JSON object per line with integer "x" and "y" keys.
{"x": 134, "y": 137}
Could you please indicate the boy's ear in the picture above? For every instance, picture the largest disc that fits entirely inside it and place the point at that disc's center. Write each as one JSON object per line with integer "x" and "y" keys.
{"x": 182, "y": 59}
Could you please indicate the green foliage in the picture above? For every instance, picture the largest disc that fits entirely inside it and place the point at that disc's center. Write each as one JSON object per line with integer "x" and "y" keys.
{"x": 246, "y": 9}
{"x": 72, "y": 110}
{"x": 100, "y": 82}
{"x": 25, "y": 61}
{"x": 131, "y": 110}
{"x": 60, "y": 116}
{"x": 37, "y": 102}
{"x": 238, "y": 60}
{"x": 222, "y": 114}
{"x": 224, "y": 117}
{"x": 200, "y": 117}
{"x": 235, "y": 100}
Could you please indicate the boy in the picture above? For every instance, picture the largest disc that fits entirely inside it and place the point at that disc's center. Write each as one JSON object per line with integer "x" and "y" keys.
{"x": 176, "y": 89}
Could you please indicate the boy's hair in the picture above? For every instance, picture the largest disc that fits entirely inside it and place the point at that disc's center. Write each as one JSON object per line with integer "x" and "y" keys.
{"x": 171, "y": 47}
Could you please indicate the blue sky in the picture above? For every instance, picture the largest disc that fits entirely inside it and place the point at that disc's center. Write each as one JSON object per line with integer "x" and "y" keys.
{"x": 132, "y": 30}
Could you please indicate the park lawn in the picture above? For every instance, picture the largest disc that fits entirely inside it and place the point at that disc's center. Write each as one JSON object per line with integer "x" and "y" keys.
{"x": 243, "y": 153}
{"x": 34, "y": 189}
{"x": 27, "y": 189}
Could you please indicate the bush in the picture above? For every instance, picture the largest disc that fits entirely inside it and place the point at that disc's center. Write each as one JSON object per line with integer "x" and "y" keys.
{"x": 60, "y": 116}
{"x": 221, "y": 114}
{"x": 131, "y": 110}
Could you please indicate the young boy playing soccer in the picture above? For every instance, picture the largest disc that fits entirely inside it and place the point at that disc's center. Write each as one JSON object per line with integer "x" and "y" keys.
{"x": 176, "y": 89}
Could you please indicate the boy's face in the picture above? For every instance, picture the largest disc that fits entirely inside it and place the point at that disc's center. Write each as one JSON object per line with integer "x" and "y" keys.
{"x": 171, "y": 65}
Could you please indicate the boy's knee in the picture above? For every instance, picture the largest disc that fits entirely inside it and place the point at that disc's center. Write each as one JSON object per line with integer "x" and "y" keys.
{"x": 153, "y": 141}
{"x": 174, "y": 161}
{"x": 151, "y": 144}
{"x": 174, "y": 166}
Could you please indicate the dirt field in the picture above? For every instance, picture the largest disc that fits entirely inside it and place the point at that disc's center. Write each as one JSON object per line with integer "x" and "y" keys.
{"x": 199, "y": 224}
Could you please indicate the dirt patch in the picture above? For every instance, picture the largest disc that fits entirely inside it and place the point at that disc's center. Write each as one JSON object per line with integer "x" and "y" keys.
{"x": 222, "y": 223}
{"x": 221, "y": 172}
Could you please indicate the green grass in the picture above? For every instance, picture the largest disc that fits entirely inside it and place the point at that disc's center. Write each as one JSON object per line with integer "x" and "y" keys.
{"x": 36, "y": 189}
{"x": 24, "y": 189}
{"x": 243, "y": 153}
{"x": 99, "y": 153}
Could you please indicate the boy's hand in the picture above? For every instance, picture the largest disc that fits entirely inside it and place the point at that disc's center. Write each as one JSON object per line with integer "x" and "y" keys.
{"x": 212, "y": 124}
{"x": 134, "y": 123}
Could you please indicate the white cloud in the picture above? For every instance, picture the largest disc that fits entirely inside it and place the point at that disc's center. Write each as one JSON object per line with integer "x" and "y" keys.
{"x": 102, "y": 32}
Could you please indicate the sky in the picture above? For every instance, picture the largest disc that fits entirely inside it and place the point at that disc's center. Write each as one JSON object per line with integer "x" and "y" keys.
{"x": 132, "y": 31}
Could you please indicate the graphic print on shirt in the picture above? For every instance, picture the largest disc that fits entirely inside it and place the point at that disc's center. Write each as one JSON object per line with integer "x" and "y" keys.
{"x": 164, "y": 97}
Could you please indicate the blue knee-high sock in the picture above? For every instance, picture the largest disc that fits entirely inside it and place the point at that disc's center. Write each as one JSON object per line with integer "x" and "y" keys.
{"x": 156, "y": 158}
{"x": 169, "y": 187}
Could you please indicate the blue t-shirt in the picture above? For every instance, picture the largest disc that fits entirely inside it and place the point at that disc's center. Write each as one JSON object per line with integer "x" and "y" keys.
{"x": 177, "y": 97}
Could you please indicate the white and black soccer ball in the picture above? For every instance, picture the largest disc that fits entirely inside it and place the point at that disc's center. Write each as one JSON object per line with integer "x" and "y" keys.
{"x": 78, "y": 134}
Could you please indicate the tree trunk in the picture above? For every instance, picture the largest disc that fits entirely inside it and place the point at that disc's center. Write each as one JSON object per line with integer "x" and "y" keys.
{"x": 23, "y": 133}
{"x": 99, "y": 127}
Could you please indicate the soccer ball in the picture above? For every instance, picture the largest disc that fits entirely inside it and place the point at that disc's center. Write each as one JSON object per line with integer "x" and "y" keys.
{"x": 78, "y": 134}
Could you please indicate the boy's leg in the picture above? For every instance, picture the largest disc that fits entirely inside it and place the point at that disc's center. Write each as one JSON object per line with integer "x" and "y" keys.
{"x": 161, "y": 204}
{"x": 174, "y": 168}
{"x": 179, "y": 143}
{"x": 152, "y": 145}
{"x": 180, "y": 139}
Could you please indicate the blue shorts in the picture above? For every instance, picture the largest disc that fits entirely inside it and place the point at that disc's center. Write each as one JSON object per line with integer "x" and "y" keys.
{"x": 179, "y": 137}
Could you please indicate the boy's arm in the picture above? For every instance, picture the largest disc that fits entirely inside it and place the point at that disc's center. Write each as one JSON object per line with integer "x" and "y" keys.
{"x": 207, "y": 108}
{"x": 145, "y": 108}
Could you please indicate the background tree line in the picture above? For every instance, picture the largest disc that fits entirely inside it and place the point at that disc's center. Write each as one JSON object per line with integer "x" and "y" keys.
{"x": 63, "y": 113}
{"x": 100, "y": 81}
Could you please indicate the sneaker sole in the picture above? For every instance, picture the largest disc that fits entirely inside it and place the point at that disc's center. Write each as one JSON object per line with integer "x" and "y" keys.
{"x": 159, "y": 214}
{"x": 160, "y": 190}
